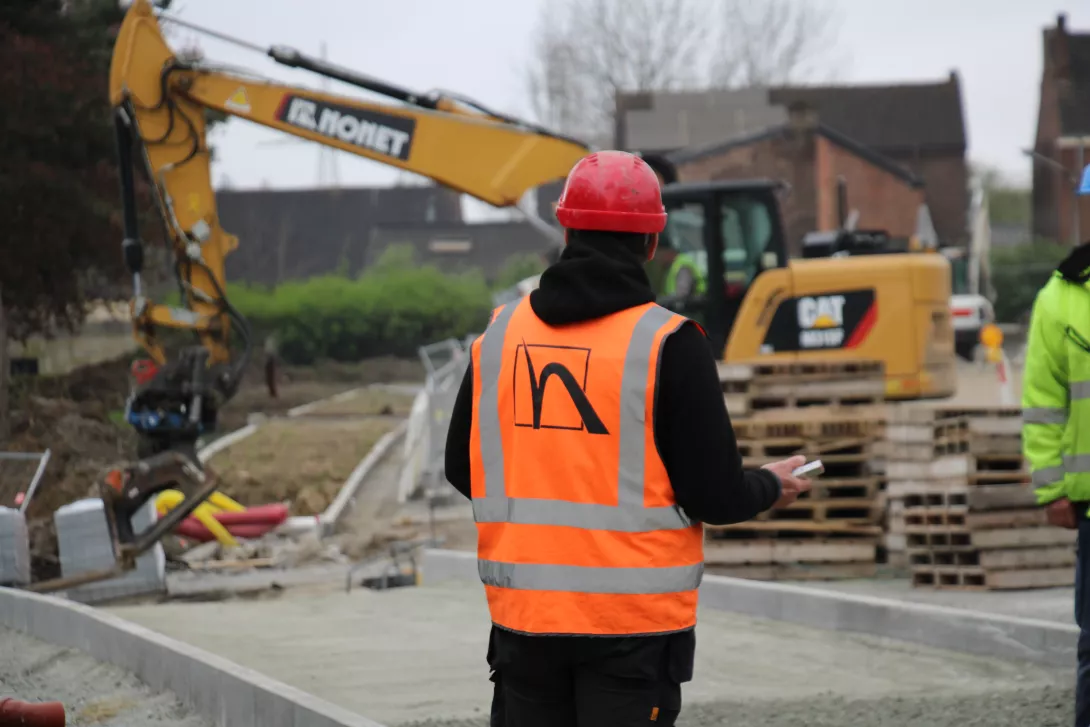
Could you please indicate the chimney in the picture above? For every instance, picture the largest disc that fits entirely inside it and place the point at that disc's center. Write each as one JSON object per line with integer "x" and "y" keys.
{"x": 801, "y": 116}
{"x": 1057, "y": 52}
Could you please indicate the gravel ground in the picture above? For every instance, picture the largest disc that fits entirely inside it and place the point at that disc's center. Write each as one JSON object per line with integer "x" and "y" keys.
{"x": 92, "y": 693}
{"x": 1045, "y": 707}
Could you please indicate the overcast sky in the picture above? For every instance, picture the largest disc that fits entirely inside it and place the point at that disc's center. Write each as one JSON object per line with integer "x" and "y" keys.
{"x": 479, "y": 48}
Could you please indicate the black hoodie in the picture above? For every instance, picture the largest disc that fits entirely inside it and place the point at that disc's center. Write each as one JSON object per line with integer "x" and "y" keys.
{"x": 692, "y": 429}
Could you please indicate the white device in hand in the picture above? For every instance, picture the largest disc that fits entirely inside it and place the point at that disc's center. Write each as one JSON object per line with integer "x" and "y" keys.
{"x": 810, "y": 469}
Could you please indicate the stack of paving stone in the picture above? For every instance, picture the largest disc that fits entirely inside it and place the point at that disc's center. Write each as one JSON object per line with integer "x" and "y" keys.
{"x": 14, "y": 548}
{"x": 83, "y": 537}
{"x": 965, "y": 506}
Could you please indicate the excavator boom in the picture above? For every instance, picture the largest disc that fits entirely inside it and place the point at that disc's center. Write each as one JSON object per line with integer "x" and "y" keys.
{"x": 160, "y": 103}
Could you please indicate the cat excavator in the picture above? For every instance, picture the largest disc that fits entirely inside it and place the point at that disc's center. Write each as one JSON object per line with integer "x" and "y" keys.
{"x": 885, "y": 309}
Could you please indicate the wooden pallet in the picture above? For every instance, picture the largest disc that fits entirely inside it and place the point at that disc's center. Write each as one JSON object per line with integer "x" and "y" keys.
{"x": 911, "y": 422}
{"x": 790, "y": 529}
{"x": 779, "y": 448}
{"x": 932, "y": 414}
{"x": 863, "y": 511}
{"x": 814, "y": 423}
{"x": 804, "y": 398}
{"x": 899, "y": 432}
{"x": 797, "y": 571}
{"x": 923, "y": 498}
{"x": 843, "y": 487}
{"x": 950, "y": 538}
{"x": 959, "y": 444}
{"x": 975, "y": 468}
{"x": 750, "y": 387}
{"x": 837, "y": 466}
{"x": 980, "y": 579}
{"x": 1058, "y": 556}
{"x": 832, "y": 370}
{"x": 821, "y": 550}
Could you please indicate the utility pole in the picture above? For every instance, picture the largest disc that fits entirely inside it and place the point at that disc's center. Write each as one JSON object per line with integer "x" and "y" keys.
{"x": 1076, "y": 198}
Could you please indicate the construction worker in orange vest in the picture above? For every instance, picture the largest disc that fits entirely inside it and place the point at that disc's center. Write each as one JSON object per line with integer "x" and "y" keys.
{"x": 591, "y": 436}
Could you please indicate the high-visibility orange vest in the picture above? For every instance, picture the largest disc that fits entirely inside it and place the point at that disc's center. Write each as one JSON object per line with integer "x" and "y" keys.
{"x": 578, "y": 528}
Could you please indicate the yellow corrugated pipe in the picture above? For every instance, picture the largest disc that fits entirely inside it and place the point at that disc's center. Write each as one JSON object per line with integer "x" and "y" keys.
{"x": 205, "y": 512}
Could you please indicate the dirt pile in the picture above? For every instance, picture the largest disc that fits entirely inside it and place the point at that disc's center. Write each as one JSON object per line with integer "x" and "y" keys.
{"x": 301, "y": 462}
{"x": 79, "y": 418}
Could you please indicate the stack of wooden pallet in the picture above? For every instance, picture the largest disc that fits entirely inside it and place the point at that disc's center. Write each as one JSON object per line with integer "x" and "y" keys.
{"x": 967, "y": 512}
{"x": 751, "y": 388}
{"x": 831, "y": 532}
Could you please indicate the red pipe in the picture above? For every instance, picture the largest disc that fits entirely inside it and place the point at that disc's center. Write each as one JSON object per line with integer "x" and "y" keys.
{"x": 24, "y": 714}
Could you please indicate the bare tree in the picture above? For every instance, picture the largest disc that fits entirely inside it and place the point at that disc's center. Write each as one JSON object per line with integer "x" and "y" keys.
{"x": 587, "y": 51}
{"x": 773, "y": 42}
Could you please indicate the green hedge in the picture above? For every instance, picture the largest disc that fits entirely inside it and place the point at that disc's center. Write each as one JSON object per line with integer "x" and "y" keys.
{"x": 1019, "y": 272}
{"x": 392, "y": 309}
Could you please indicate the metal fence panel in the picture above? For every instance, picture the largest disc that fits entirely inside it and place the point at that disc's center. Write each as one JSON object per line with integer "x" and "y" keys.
{"x": 445, "y": 363}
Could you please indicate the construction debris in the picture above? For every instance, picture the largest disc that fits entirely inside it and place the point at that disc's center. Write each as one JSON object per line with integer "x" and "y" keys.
{"x": 968, "y": 512}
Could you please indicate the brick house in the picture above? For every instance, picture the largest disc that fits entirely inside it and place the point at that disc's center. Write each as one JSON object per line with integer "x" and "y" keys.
{"x": 920, "y": 127}
{"x": 1063, "y": 135}
{"x": 811, "y": 157}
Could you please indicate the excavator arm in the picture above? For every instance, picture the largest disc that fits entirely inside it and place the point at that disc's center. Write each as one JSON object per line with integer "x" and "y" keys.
{"x": 160, "y": 102}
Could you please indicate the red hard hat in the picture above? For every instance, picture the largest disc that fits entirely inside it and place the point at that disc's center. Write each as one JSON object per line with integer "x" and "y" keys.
{"x": 613, "y": 191}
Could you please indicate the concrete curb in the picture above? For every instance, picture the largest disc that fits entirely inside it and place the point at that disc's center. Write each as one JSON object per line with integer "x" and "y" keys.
{"x": 304, "y": 409}
{"x": 224, "y": 442}
{"x": 964, "y": 630}
{"x": 221, "y": 691}
{"x": 328, "y": 520}
{"x": 231, "y": 438}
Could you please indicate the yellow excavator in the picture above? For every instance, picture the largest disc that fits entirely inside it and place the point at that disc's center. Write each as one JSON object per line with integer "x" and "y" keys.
{"x": 889, "y": 309}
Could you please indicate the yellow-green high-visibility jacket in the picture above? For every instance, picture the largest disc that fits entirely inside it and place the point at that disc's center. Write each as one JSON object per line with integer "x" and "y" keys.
{"x": 1056, "y": 392}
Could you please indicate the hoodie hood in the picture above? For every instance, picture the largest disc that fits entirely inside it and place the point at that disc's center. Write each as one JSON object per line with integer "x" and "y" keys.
{"x": 591, "y": 280}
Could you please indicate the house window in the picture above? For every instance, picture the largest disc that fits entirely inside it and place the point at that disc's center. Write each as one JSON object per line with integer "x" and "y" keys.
{"x": 450, "y": 246}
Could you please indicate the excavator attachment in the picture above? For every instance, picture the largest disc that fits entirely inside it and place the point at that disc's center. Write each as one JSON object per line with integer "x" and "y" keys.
{"x": 125, "y": 490}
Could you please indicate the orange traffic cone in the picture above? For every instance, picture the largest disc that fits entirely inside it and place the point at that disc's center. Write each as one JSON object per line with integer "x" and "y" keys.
{"x": 14, "y": 713}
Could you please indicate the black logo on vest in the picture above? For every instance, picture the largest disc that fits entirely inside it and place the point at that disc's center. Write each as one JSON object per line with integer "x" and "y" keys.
{"x": 539, "y": 406}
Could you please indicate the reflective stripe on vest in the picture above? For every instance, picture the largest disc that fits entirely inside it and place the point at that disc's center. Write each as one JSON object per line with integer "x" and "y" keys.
{"x": 629, "y": 515}
{"x": 1052, "y": 416}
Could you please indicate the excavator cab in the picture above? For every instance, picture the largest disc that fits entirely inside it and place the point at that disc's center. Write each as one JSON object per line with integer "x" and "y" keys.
{"x": 755, "y": 303}
{"x": 723, "y": 234}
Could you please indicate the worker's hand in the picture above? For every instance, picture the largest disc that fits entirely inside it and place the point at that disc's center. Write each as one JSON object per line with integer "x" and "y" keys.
{"x": 1061, "y": 513}
{"x": 792, "y": 486}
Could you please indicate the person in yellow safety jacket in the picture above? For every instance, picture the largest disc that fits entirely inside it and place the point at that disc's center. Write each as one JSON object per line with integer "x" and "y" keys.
{"x": 1056, "y": 428}
{"x": 684, "y": 277}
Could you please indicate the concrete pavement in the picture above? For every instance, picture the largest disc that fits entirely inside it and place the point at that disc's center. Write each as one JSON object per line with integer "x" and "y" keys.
{"x": 419, "y": 653}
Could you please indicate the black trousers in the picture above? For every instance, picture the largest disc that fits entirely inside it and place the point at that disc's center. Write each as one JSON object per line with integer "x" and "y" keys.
{"x": 1082, "y": 618}
{"x": 572, "y": 681}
